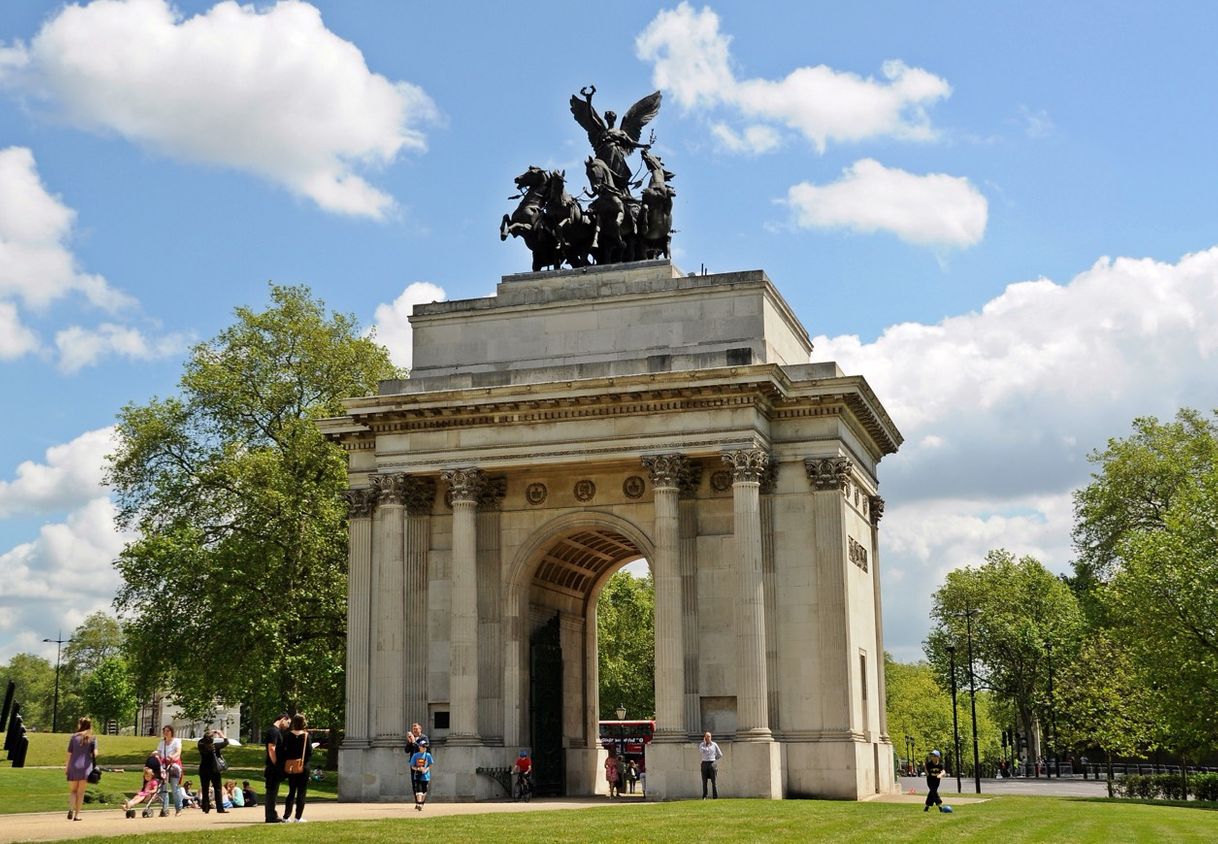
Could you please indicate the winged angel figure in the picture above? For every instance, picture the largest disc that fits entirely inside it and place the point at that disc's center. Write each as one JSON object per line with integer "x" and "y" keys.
{"x": 614, "y": 145}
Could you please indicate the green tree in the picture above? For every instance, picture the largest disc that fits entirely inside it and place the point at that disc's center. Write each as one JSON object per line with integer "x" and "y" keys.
{"x": 35, "y": 679}
{"x": 625, "y": 634}
{"x": 1102, "y": 703}
{"x": 1163, "y": 603}
{"x": 1133, "y": 491}
{"x": 108, "y": 693}
{"x": 235, "y": 588}
{"x": 98, "y": 638}
{"x": 1017, "y": 606}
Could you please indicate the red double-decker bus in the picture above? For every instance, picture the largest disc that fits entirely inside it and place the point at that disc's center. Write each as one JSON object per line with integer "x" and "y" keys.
{"x": 628, "y": 738}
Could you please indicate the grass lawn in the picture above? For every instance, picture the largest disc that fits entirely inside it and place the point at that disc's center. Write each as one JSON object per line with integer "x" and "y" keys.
{"x": 130, "y": 751}
{"x": 46, "y": 790}
{"x": 1003, "y": 819}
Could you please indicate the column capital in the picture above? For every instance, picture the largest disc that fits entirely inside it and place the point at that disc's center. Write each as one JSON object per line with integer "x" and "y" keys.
{"x": 390, "y": 488}
{"x": 828, "y": 473}
{"x": 360, "y": 502}
{"x": 419, "y": 494}
{"x": 877, "y": 510}
{"x": 466, "y": 483}
{"x": 748, "y": 464}
{"x": 670, "y": 470}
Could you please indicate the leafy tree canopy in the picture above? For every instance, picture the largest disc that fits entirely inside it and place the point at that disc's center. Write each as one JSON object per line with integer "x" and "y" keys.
{"x": 1016, "y": 607}
{"x": 235, "y": 589}
{"x": 625, "y": 632}
{"x": 109, "y": 693}
{"x": 99, "y": 637}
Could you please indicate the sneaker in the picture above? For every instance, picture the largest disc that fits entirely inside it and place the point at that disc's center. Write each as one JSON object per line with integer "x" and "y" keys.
{"x": 164, "y": 813}
{"x": 70, "y": 814}
{"x": 302, "y": 820}
{"x": 926, "y": 808}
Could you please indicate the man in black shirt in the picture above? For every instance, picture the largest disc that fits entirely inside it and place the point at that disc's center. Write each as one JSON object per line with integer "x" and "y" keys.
{"x": 272, "y": 739}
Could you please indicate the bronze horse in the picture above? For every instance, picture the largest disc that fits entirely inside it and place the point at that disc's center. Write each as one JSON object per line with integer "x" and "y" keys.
{"x": 657, "y": 208}
{"x": 528, "y": 220}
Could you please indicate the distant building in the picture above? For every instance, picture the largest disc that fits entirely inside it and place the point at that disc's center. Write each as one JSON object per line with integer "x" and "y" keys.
{"x": 161, "y": 710}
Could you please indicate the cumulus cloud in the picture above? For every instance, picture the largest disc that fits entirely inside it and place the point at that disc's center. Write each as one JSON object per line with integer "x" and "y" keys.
{"x": 80, "y": 347}
{"x": 1000, "y": 407}
{"x": 931, "y": 210}
{"x": 69, "y": 475}
{"x": 60, "y": 577}
{"x": 691, "y": 59}
{"x": 269, "y": 91}
{"x": 36, "y": 265}
{"x": 15, "y": 339}
{"x": 392, "y": 321}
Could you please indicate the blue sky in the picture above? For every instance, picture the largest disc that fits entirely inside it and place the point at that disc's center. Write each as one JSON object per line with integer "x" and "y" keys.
{"x": 1001, "y": 215}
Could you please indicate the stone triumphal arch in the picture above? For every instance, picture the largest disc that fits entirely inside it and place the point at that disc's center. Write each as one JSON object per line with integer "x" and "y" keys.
{"x": 575, "y": 422}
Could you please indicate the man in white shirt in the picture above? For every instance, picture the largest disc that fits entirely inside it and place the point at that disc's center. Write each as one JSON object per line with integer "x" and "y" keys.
{"x": 711, "y": 754}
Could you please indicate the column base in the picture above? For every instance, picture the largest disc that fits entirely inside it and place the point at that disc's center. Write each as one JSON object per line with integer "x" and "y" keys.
{"x": 474, "y": 740}
{"x": 669, "y": 736}
{"x": 755, "y": 734}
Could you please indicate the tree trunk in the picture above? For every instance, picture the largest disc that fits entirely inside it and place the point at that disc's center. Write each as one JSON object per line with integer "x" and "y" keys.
{"x": 1108, "y": 759}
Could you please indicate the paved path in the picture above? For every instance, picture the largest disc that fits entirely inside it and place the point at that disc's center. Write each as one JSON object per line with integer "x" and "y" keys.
{"x": 46, "y": 826}
{"x": 1028, "y": 786}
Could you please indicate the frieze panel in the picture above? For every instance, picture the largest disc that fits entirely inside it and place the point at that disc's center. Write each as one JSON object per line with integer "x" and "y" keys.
{"x": 858, "y": 554}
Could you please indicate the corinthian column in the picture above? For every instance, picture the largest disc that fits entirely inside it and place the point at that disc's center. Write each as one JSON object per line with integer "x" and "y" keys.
{"x": 752, "y": 692}
{"x": 389, "y": 604}
{"x": 876, "y": 508}
{"x": 466, "y": 484}
{"x": 666, "y": 471}
{"x": 360, "y": 504}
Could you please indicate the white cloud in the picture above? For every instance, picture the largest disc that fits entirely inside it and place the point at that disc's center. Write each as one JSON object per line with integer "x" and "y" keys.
{"x": 1000, "y": 407}
{"x": 80, "y": 347}
{"x": 392, "y": 321}
{"x": 269, "y": 91}
{"x": 692, "y": 61}
{"x": 36, "y": 265}
{"x": 60, "y": 577}
{"x": 70, "y": 475}
{"x": 931, "y": 210}
{"x": 15, "y": 339}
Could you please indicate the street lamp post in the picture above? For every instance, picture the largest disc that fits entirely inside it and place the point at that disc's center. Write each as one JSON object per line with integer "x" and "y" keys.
{"x": 951, "y": 653}
{"x": 1052, "y": 748}
{"x": 972, "y": 691}
{"x": 59, "y": 643}
{"x": 620, "y": 712}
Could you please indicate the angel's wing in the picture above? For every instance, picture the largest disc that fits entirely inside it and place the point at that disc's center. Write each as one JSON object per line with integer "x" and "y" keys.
{"x": 640, "y": 114}
{"x": 588, "y": 117}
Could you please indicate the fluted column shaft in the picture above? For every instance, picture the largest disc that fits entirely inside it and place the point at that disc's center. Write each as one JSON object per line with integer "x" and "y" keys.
{"x": 828, "y": 477}
{"x": 360, "y": 504}
{"x": 388, "y": 689}
{"x": 666, "y": 567}
{"x": 752, "y": 691}
{"x": 877, "y": 511}
{"x": 463, "y": 638}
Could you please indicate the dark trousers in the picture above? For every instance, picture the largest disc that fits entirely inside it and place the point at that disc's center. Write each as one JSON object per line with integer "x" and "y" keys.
{"x": 209, "y": 778}
{"x": 932, "y": 792}
{"x": 709, "y": 771}
{"x": 298, "y": 784}
{"x": 273, "y": 778}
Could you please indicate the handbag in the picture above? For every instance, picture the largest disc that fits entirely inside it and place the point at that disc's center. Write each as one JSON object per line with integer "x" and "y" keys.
{"x": 296, "y": 766}
{"x": 221, "y": 764}
{"x": 94, "y": 775}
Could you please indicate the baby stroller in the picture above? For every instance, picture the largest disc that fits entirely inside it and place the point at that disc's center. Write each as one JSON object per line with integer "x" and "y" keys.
{"x": 148, "y": 798}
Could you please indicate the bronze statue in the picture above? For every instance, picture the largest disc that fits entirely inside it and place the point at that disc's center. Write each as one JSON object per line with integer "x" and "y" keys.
{"x": 617, "y": 226}
{"x": 614, "y": 145}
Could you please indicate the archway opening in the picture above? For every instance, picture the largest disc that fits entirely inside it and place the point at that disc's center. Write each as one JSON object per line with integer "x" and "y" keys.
{"x": 575, "y": 572}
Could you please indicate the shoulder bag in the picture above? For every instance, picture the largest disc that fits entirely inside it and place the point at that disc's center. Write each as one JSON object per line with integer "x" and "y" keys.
{"x": 296, "y": 766}
{"x": 94, "y": 775}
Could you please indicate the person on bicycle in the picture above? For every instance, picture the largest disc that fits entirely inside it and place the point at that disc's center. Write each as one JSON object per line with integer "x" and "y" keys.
{"x": 524, "y": 770}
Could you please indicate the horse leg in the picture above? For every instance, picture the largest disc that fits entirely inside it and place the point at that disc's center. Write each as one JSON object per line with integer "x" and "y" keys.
{"x": 503, "y": 227}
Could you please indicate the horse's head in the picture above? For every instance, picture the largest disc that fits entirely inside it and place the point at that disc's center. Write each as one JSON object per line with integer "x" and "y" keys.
{"x": 531, "y": 178}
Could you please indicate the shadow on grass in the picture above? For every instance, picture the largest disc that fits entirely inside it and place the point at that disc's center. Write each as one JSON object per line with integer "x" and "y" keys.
{"x": 1126, "y": 801}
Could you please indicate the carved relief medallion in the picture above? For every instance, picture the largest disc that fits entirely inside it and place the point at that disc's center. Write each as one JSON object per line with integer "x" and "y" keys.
{"x": 535, "y": 493}
{"x": 721, "y": 481}
{"x": 633, "y": 487}
{"x": 585, "y": 490}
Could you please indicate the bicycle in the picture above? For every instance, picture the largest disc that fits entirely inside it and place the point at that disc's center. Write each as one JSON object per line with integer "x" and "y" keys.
{"x": 523, "y": 789}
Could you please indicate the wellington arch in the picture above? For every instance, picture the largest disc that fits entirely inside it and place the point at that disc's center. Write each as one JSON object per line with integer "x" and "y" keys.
{"x": 572, "y": 423}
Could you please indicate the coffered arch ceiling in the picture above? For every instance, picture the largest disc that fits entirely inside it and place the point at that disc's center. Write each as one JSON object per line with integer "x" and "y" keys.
{"x": 575, "y": 563}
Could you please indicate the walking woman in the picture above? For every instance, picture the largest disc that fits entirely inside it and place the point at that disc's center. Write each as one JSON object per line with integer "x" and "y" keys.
{"x": 82, "y": 753}
{"x": 170, "y": 751}
{"x": 297, "y": 751}
{"x": 211, "y": 765}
